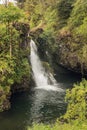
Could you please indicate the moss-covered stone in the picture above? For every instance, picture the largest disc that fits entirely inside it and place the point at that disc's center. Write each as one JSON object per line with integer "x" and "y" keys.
{"x": 71, "y": 53}
{"x": 35, "y": 33}
{"x": 4, "y": 100}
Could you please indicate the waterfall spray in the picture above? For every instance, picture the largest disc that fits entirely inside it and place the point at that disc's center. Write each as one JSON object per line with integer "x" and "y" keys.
{"x": 40, "y": 76}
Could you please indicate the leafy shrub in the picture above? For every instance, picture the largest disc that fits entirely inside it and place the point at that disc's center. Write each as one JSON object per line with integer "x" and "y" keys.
{"x": 76, "y": 113}
{"x": 77, "y": 102}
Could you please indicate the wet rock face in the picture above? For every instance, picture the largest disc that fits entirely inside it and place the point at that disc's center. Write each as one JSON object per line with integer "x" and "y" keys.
{"x": 69, "y": 51}
{"x": 4, "y": 103}
{"x": 35, "y": 32}
{"x": 70, "y": 54}
{"x": 23, "y": 29}
{"x": 23, "y": 86}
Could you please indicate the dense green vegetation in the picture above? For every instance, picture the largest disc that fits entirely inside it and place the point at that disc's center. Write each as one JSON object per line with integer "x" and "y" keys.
{"x": 64, "y": 25}
{"x": 75, "y": 125}
{"x": 64, "y": 37}
{"x": 75, "y": 117}
{"x": 13, "y": 59}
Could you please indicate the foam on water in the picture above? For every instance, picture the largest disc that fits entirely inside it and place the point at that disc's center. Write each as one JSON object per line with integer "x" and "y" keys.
{"x": 40, "y": 76}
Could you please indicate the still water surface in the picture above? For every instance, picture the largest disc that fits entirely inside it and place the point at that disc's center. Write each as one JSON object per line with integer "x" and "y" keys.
{"x": 38, "y": 105}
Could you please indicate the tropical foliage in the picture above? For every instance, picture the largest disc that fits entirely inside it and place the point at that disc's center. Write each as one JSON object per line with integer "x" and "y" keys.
{"x": 13, "y": 65}
{"x": 75, "y": 117}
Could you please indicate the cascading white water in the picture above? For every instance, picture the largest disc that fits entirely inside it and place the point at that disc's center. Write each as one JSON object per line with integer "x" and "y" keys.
{"x": 40, "y": 76}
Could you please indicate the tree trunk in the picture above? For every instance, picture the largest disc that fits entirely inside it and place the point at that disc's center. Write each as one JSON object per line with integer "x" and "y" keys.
{"x": 10, "y": 42}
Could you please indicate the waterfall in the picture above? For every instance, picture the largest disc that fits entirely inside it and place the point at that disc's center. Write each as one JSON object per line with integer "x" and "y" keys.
{"x": 40, "y": 76}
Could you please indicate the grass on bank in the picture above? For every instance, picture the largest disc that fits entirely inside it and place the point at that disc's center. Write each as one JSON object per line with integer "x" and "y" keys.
{"x": 75, "y": 125}
{"x": 75, "y": 117}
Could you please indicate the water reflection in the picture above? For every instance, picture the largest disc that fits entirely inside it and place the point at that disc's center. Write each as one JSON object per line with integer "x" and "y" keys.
{"x": 37, "y": 105}
{"x": 45, "y": 104}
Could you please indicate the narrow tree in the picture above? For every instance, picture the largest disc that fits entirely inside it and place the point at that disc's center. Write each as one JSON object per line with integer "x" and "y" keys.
{"x": 8, "y": 16}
